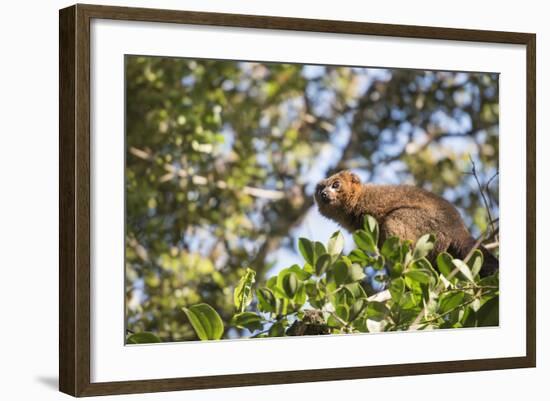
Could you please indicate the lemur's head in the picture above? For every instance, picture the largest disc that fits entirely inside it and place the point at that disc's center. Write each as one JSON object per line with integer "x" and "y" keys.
{"x": 337, "y": 193}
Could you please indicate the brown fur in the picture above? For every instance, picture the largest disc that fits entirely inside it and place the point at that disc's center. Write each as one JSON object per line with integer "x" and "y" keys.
{"x": 404, "y": 211}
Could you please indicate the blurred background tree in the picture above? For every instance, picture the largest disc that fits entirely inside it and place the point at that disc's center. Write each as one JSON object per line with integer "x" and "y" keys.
{"x": 223, "y": 156}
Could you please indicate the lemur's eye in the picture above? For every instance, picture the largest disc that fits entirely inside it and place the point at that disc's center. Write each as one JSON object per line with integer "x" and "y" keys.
{"x": 336, "y": 184}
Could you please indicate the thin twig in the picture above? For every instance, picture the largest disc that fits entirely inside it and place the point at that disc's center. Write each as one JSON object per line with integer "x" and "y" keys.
{"x": 476, "y": 246}
{"x": 482, "y": 192}
{"x": 338, "y": 319}
{"x": 487, "y": 187}
{"x": 470, "y": 287}
{"x": 492, "y": 245}
{"x": 455, "y": 308}
{"x": 260, "y": 333}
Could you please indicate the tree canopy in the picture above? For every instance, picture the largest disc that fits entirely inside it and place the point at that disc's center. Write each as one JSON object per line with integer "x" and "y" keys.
{"x": 223, "y": 156}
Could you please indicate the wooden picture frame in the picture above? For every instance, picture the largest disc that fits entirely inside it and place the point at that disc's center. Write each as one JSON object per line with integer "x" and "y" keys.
{"x": 75, "y": 204}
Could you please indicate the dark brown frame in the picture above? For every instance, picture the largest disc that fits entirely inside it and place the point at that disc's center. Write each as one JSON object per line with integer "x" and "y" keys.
{"x": 74, "y": 199}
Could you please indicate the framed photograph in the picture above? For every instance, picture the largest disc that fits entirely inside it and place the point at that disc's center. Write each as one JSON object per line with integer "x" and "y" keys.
{"x": 249, "y": 200}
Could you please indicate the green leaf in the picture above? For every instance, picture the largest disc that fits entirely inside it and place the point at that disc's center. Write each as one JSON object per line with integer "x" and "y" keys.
{"x": 397, "y": 289}
{"x": 377, "y": 311}
{"x": 452, "y": 319}
{"x": 360, "y": 324}
{"x": 266, "y": 300}
{"x": 205, "y": 320}
{"x": 308, "y": 269}
{"x": 333, "y": 322}
{"x": 489, "y": 280}
{"x": 488, "y": 314}
{"x": 476, "y": 304}
{"x": 306, "y": 249}
{"x": 379, "y": 263}
{"x": 342, "y": 297}
{"x": 450, "y": 300}
{"x": 469, "y": 318}
{"x": 418, "y": 276}
{"x": 342, "y": 311}
{"x": 335, "y": 244}
{"x": 345, "y": 273}
{"x": 464, "y": 269}
{"x": 142, "y": 338}
{"x": 355, "y": 273}
{"x": 371, "y": 226}
{"x": 277, "y": 330}
{"x": 312, "y": 289}
{"x": 423, "y": 246}
{"x": 301, "y": 274}
{"x": 396, "y": 270}
{"x": 300, "y": 297}
{"x": 282, "y": 305}
{"x": 274, "y": 284}
{"x": 408, "y": 301}
{"x": 242, "y": 295}
{"x": 407, "y": 252}
{"x": 421, "y": 271}
{"x": 391, "y": 250}
{"x": 290, "y": 284}
{"x": 445, "y": 264}
{"x": 365, "y": 241}
{"x": 319, "y": 250}
{"x": 425, "y": 264}
{"x": 356, "y": 309}
{"x": 356, "y": 290}
{"x": 476, "y": 262}
{"x": 340, "y": 271}
{"x": 358, "y": 256}
{"x": 247, "y": 320}
{"x": 322, "y": 264}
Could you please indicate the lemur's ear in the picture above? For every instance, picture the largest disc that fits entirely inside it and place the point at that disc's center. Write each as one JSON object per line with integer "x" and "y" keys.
{"x": 354, "y": 178}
